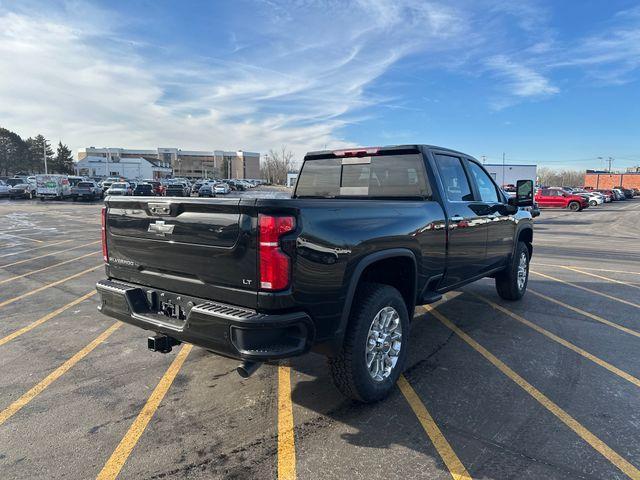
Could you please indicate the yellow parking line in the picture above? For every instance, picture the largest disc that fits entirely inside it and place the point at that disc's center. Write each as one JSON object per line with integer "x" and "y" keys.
{"x": 21, "y": 237}
{"x": 451, "y": 460}
{"x": 35, "y": 248}
{"x": 608, "y": 279}
{"x": 46, "y": 268}
{"x": 47, "y": 254}
{"x": 48, "y": 316}
{"x": 286, "y": 440}
{"x": 57, "y": 373}
{"x": 47, "y": 285}
{"x": 120, "y": 455}
{"x": 592, "y": 316}
{"x": 595, "y": 292}
{"x": 586, "y": 268}
{"x": 561, "y": 341}
{"x": 602, "y": 448}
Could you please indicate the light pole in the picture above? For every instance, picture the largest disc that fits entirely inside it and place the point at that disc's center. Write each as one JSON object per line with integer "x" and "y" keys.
{"x": 44, "y": 154}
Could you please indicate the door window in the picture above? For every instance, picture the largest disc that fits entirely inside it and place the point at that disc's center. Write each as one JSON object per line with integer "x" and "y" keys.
{"x": 455, "y": 181}
{"x": 487, "y": 189}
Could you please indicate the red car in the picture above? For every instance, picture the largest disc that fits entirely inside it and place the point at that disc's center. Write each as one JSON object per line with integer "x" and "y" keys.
{"x": 552, "y": 198}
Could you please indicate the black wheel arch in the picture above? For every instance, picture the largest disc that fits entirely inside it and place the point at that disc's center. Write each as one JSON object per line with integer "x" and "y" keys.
{"x": 409, "y": 293}
{"x": 523, "y": 234}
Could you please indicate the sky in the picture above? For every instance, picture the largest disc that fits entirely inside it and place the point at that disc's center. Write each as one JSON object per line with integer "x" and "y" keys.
{"x": 546, "y": 82}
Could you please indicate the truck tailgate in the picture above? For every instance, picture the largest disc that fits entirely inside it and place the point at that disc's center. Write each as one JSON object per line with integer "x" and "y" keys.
{"x": 201, "y": 247}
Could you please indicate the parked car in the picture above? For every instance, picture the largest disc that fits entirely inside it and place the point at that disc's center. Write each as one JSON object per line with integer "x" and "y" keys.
{"x": 74, "y": 180}
{"x": 619, "y": 194}
{"x": 158, "y": 189}
{"x": 143, "y": 189}
{"x": 177, "y": 189}
{"x": 207, "y": 190}
{"x": 120, "y": 188}
{"x": 609, "y": 195}
{"x": 4, "y": 189}
{"x": 52, "y": 186}
{"x": 235, "y": 185}
{"x": 86, "y": 190}
{"x": 557, "y": 198}
{"x": 222, "y": 188}
{"x": 21, "y": 187}
{"x": 276, "y": 278}
{"x": 628, "y": 193}
{"x": 593, "y": 198}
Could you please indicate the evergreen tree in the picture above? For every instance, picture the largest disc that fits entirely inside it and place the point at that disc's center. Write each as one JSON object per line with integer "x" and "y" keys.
{"x": 12, "y": 152}
{"x": 37, "y": 148}
{"x": 63, "y": 161}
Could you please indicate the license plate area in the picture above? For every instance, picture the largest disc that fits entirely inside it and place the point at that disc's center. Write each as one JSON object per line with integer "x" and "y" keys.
{"x": 174, "y": 307}
{"x": 172, "y": 310}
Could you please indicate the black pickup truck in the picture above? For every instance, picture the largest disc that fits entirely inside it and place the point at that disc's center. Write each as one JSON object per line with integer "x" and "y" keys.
{"x": 338, "y": 268}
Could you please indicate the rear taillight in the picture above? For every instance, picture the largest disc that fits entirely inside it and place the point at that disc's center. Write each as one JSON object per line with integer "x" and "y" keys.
{"x": 275, "y": 265}
{"x": 105, "y": 253}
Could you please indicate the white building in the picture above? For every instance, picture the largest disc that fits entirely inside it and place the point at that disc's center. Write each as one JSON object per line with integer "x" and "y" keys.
{"x": 127, "y": 167}
{"x": 292, "y": 178}
{"x": 509, "y": 174}
{"x": 188, "y": 163}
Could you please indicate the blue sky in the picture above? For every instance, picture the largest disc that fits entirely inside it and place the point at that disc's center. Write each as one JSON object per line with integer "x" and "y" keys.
{"x": 553, "y": 83}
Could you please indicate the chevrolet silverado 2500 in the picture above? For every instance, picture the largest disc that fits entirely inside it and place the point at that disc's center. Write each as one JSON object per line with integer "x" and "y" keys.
{"x": 368, "y": 234}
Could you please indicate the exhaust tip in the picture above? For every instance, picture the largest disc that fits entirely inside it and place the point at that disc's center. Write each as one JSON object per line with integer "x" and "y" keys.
{"x": 246, "y": 369}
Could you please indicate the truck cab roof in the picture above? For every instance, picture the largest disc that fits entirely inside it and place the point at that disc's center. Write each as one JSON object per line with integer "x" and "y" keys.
{"x": 363, "y": 151}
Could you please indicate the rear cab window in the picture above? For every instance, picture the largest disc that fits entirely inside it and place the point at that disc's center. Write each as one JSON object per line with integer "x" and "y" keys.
{"x": 388, "y": 175}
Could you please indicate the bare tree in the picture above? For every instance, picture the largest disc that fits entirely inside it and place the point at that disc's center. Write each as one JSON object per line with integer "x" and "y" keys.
{"x": 277, "y": 164}
{"x": 560, "y": 178}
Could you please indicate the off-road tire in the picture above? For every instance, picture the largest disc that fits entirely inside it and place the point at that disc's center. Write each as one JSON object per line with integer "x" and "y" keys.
{"x": 574, "y": 206}
{"x": 507, "y": 280}
{"x": 348, "y": 368}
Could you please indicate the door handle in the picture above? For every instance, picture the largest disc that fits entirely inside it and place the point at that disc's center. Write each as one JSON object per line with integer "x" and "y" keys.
{"x": 456, "y": 218}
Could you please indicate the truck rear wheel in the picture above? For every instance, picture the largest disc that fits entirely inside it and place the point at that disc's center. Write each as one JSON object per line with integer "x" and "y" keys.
{"x": 511, "y": 283}
{"x": 374, "y": 350}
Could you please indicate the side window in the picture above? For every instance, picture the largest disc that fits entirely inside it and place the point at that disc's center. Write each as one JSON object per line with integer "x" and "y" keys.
{"x": 487, "y": 189}
{"x": 454, "y": 178}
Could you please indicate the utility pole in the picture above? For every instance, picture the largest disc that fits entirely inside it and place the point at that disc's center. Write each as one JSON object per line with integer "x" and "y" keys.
{"x": 502, "y": 168}
{"x": 610, "y": 160}
{"x": 106, "y": 163}
{"x": 44, "y": 154}
{"x": 484, "y": 159}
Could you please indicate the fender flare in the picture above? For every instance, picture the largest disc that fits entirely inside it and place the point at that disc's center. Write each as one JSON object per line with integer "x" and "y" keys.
{"x": 517, "y": 236}
{"x": 355, "y": 279}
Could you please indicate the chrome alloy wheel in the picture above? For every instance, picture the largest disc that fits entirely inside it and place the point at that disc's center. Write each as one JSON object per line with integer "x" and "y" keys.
{"x": 384, "y": 342}
{"x": 522, "y": 270}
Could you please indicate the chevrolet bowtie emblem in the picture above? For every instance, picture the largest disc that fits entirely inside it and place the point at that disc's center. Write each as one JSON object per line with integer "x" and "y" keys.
{"x": 160, "y": 228}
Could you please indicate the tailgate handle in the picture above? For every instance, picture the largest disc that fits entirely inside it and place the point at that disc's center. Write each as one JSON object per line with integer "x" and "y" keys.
{"x": 160, "y": 208}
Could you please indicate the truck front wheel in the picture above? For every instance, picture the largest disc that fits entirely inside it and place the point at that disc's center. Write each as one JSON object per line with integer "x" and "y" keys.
{"x": 374, "y": 350}
{"x": 511, "y": 283}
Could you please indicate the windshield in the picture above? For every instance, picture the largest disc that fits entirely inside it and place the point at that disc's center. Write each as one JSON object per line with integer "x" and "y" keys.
{"x": 377, "y": 176}
{"x": 85, "y": 184}
{"x": 119, "y": 185}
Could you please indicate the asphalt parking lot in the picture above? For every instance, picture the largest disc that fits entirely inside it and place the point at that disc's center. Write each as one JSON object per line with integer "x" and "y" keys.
{"x": 545, "y": 388}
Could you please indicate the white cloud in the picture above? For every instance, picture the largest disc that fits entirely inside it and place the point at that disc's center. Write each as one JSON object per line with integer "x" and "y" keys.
{"x": 76, "y": 73}
{"x": 522, "y": 80}
{"x": 612, "y": 56}
{"x": 89, "y": 86}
